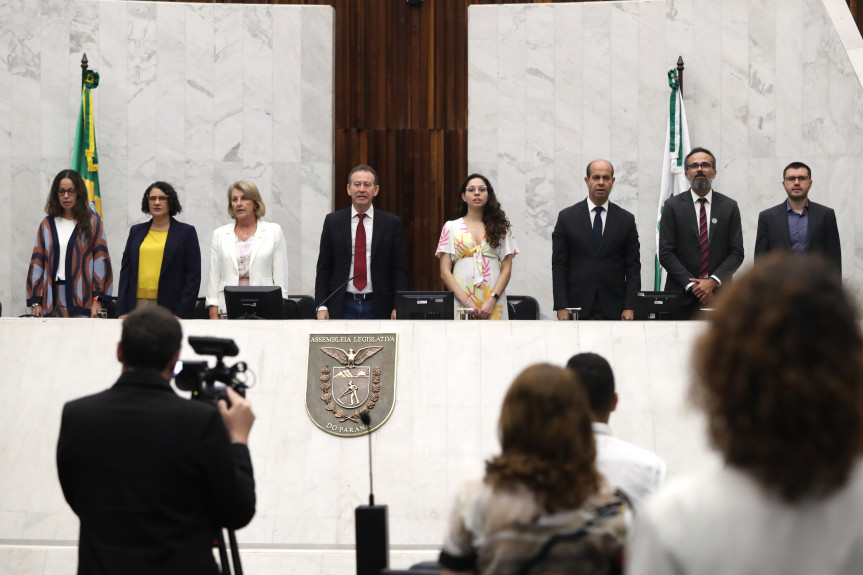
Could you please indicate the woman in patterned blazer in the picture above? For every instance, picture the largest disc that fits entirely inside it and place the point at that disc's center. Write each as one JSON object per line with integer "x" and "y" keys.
{"x": 70, "y": 269}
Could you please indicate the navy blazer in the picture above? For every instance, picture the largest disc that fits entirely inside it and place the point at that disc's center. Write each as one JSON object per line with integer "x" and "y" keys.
{"x": 179, "y": 278}
{"x": 822, "y": 232}
{"x": 388, "y": 271}
{"x": 582, "y": 271}
{"x": 678, "y": 241}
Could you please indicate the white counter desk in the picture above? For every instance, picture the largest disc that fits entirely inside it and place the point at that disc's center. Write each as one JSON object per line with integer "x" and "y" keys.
{"x": 451, "y": 377}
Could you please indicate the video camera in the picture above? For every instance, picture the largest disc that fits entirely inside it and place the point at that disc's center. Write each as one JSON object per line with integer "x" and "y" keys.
{"x": 199, "y": 378}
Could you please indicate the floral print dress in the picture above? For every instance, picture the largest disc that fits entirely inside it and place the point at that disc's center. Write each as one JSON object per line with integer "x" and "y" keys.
{"x": 476, "y": 267}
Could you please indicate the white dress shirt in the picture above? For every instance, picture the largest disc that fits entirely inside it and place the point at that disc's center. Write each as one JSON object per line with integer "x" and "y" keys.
{"x": 721, "y": 522}
{"x": 636, "y": 471}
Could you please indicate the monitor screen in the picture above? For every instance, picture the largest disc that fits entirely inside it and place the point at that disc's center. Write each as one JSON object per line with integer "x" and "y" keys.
{"x": 425, "y": 305}
{"x": 657, "y": 305}
{"x": 254, "y": 302}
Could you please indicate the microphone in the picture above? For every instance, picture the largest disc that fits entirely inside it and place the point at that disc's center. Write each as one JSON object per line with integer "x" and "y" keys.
{"x": 337, "y": 290}
{"x": 370, "y": 523}
{"x": 367, "y": 422}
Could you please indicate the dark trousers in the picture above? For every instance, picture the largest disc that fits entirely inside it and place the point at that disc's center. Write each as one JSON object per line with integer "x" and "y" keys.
{"x": 358, "y": 309}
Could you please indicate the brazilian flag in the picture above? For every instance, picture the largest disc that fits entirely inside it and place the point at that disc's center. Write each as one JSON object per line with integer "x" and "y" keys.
{"x": 84, "y": 158}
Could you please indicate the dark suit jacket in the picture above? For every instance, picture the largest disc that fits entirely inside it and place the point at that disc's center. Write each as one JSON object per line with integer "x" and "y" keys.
{"x": 388, "y": 271}
{"x": 823, "y": 233}
{"x": 151, "y": 476}
{"x": 678, "y": 241}
{"x": 179, "y": 278}
{"x": 580, "y": 270}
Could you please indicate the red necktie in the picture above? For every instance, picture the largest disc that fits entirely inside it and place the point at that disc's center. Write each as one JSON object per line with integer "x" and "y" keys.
{"x": 360, "y": 256}
{"x": 704, "y": 268}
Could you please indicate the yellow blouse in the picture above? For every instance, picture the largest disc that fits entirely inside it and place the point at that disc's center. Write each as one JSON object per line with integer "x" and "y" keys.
{"x": 150, "y": 263}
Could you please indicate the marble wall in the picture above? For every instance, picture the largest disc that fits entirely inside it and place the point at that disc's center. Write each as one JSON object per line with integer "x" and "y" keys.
{"x": 443, "y": 426}
{"x": 199, "y": 95}
{"x": 553, "y": 86}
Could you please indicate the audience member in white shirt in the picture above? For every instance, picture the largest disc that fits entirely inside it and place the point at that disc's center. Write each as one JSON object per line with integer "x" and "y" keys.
{"x": 778, "y": 375}
{"x": 634, "y": 470}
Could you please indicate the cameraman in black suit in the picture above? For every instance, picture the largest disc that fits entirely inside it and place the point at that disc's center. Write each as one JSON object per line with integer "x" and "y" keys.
{"x": 153, "y": 476}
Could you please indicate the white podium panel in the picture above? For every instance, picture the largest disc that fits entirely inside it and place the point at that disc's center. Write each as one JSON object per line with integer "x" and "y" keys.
{"x": 450, "y": 381}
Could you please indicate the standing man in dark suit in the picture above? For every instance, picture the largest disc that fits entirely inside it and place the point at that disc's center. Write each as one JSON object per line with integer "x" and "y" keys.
{"x": 595, "y": 261}
{"x": 797, "y": 224}
{"x": 153, "y": 476}
{"x": 700, "y": 236}
{"x": 375, "y": 264}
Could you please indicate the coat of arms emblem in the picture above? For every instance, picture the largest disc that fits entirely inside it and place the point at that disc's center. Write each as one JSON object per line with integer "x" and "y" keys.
{"x": 349, "y": 380}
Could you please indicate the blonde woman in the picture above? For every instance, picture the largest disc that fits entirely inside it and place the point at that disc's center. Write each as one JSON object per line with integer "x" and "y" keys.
{"x": 247, "y": 252}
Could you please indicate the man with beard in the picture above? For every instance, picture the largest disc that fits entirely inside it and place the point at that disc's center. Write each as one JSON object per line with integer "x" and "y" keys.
{"x": 797, "y": 224}
{"x": 700, "y": 236}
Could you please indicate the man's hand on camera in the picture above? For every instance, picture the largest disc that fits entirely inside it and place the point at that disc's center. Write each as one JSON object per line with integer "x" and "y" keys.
{"x": 238, "y": 418}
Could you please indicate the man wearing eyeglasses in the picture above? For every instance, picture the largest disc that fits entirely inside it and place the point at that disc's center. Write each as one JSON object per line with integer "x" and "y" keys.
{"x": 700, "y": 236}
{"x": 361, "y": 262}
{"x": 797, "y": 224}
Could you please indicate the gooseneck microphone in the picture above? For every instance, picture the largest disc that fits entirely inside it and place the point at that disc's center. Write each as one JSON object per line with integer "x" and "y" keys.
{"x": 337, "y": 290}
{"x": 370, "y": 521}
{"x": 367, "y": 422}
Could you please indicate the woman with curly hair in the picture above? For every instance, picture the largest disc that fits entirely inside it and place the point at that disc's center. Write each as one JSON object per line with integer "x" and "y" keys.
{"x": 162, "y": 260}
{"x": 542, "y": 501}
{"x": 70, "y": 269}
{"x": 779, "y": 374}
{"x": 476, "y": 251}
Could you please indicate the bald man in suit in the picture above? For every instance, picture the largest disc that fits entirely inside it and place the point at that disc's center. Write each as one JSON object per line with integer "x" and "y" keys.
{"x": 595, "y": 259}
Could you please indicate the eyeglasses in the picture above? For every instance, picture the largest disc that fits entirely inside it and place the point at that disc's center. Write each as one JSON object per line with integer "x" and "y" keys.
{"x": 154, "y": 199}
{"x": 480, "y": 189}
{"x": 800, "y": 179}
{"x": 702, "y": 165}
{"x": 67, "y": 192}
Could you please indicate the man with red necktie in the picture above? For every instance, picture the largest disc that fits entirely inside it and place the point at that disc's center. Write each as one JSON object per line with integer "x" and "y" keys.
{"x": 361, "y": 263}
{"x": 700, "y": 236}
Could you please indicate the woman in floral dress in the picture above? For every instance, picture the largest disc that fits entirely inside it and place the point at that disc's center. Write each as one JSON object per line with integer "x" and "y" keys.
{"x": 476, "y": 251}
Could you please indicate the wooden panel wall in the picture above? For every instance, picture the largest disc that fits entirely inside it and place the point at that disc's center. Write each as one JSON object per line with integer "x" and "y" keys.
{"x": 401, "y": 107}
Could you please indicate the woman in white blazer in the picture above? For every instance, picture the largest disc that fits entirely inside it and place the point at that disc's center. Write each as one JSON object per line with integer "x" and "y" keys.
{"x": 247, "y": 252}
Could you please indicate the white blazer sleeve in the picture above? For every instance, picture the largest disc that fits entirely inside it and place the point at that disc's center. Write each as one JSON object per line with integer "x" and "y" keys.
{"x": 215, "y": 275}
{"x": 280, "y": 261}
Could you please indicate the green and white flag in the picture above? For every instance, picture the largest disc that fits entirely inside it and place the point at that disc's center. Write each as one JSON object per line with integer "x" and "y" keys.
{"x": 85, "y": 161}
{"x": 673, "y": 171}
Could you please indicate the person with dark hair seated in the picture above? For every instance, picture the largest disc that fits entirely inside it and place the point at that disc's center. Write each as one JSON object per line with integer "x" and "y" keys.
{"x": 542, "y": 501}
{"x": 162, "y": 260}
{"x": 779, "y": 374}
{"x": 636, "y": 471}
{"x": 152, "y": 476}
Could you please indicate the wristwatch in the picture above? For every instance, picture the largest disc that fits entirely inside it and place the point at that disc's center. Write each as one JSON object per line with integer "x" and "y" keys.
{"x": 495, "y": 296}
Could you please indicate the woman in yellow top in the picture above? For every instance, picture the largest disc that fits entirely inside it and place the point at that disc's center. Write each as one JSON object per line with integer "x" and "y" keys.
{"x": 162, "y": 260}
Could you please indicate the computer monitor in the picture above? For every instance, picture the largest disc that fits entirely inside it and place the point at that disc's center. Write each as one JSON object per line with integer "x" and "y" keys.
{"x": 425, "y": 305}
{"x": 657, "y": 305}
{"x": 254, "y": 302}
